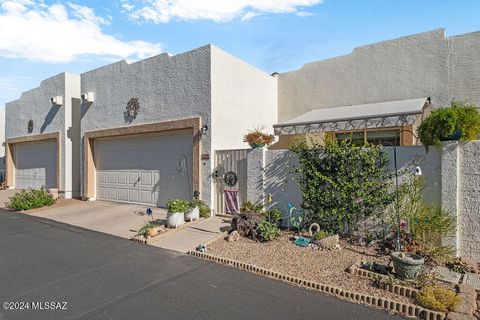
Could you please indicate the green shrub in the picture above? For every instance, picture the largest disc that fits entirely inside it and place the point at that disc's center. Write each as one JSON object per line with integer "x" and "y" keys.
{"x": 205, "y": 211}
{"x": 457, "y": 121}
{"x": 31, "y": 199}
{"x": 322, "y": 234}
{"x": 273, "y": 215}
{"x": 251, "y": 208}
{"x": 342, "y": 184}
{"x": 267, "y": 231}
{"x": 438, "y": 298}
{"x": 177, "y": 205}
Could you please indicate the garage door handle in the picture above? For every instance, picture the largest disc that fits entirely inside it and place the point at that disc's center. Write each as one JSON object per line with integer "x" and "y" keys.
{"x": 138, "y": 180}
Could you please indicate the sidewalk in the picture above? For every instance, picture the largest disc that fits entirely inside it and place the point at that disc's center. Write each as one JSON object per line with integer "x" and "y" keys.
{"x": 189, "y": 238}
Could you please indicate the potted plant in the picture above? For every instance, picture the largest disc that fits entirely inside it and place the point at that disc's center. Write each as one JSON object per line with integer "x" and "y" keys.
{"x": 459, "y": 121}
{"x": 149, "y": 229}
{"x": 258, "y": 139}
{"x": 193, "y": 211}
{"x": 176, "y": 212}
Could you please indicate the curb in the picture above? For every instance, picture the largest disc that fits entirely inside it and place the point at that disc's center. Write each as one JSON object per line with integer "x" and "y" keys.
{"x": 397, "y": 307}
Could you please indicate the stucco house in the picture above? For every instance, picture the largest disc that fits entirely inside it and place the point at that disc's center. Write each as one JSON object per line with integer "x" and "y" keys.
{"x": 148, "y": 131}
{"x": 378, "y": 90}
{"x": 142, "y": 132}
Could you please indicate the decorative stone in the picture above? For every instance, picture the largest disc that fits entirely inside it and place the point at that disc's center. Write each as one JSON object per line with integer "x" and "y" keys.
{"x": 447, "y": 275}
{"x": 329, "y": 243}
{"x": 472, "y": 280}
{"x": 233, "y": 236}
{"x": 407, "y": 265}
{"x": 472, "y": 264}
{"x": 459, "y": 316}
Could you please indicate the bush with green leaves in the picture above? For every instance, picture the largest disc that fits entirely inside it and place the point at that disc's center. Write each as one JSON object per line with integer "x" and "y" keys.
{"x": 438, "y": 298}
{"x": 30, "y": 199}
{"x": 342, "y": 184}
{"x": 267, "y": 231}
{"x": 177, "y": 205}
{"x": 322, "y": 234}
{"x": 273, "y": 215}
{"x": 459, "y": 121}
{"x": 251, "y": 208}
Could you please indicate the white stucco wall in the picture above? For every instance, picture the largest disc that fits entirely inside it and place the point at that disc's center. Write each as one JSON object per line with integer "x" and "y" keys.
{"x": 469, "y": 199}
{"x": 35, "y": 104}
{"x": 421, "y": 65}
{"x": 243, "y": 98}
{"x": 167, "y": 87}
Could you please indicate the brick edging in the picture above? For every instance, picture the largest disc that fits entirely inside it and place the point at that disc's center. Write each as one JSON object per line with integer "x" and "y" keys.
{"x": 391, "y": 287}
{"x": 387, "y": 304}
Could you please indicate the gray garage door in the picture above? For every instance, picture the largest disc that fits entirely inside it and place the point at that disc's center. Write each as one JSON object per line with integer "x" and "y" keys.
{"x": 147, "y": 169}
{"x": 36, "y": 165}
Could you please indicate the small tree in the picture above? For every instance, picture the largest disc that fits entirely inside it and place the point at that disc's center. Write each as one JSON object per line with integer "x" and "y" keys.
{"x": 342, "y": 183}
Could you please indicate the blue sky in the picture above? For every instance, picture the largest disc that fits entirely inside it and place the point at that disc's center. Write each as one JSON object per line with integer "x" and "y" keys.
{"x": 41, "y": 38}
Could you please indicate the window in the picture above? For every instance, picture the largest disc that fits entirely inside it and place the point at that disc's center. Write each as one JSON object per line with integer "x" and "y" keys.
{"x": 377, "y": 137}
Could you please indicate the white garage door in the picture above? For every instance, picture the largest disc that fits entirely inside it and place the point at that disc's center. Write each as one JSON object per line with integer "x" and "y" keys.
{"x": 148, "y": 169}
{"x": 36, "y": 165}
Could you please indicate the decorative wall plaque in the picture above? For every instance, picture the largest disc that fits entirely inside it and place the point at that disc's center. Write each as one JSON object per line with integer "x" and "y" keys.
{"x": 132, "y": 107}
{"x": 230, "y": 178}
{"x": 30, "y": 126}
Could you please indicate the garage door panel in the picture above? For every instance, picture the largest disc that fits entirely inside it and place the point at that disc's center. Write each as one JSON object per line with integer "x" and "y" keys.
{"x": 36, "y": 165}
{"x": 111, "y": 193}
{"x": 122, "y": 194}
{"x": 153, "y": 165}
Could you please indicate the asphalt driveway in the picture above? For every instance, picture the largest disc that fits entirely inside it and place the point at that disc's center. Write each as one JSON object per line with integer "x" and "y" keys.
{"x": 106, "y": 277}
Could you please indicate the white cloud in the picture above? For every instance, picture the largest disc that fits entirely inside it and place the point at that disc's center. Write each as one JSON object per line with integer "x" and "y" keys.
{"x": 162, "y": 11}
{"x": 58, "y": 33}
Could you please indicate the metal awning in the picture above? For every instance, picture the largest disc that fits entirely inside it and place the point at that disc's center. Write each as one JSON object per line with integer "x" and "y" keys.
{"x": 355, "y": 117}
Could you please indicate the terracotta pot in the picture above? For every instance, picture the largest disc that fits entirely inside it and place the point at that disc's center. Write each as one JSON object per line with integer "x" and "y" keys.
{"x": 152, "y": 232}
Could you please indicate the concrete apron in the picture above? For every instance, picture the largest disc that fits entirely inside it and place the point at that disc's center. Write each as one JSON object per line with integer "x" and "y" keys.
{"x": 123, "y": 220}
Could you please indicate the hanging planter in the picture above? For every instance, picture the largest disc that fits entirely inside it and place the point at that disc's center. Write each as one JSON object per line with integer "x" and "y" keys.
{"x": 258, "y": 139}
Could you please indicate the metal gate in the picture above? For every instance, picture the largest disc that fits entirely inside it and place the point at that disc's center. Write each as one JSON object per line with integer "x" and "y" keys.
{"x": 225, "y": 161}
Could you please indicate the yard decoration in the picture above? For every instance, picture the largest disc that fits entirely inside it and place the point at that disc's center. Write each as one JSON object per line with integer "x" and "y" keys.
{"x": 407, "y": 265}
{"x": 149, "y": 229}
{"x": 460, "y": 121}
{"x": 193, "y": 210}
{"x": 258, "y": 139}
{"x": 176, "y": 212}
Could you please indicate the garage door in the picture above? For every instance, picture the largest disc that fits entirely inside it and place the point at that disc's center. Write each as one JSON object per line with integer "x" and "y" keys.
{"x": 147, "y": 169}
{"x": 36, "y": 165}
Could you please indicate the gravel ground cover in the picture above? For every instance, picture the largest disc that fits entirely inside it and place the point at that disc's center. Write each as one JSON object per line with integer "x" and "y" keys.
{"x": 326, "y": 267}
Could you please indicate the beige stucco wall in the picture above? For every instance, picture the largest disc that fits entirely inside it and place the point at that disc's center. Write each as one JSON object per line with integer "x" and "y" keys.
{"x": 421, "y": 65}
{"x": 243, "y": 98}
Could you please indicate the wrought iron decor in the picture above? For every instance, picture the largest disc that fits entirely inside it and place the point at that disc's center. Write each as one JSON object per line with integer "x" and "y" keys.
{"x": 230, "y": 179}
{"x": 30, "y": 126}
{"x": 133, "y": 106}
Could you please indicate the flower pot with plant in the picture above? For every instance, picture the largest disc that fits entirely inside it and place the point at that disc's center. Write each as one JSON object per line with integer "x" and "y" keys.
{"x": 457, "y": 122}
{"x": 176, "y": 212}
{"x": 256, "y": 138}
{"x": 193, "y": 211}
{"x": 149, "y": 229}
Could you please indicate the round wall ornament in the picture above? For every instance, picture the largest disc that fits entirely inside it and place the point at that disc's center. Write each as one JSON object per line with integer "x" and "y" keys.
{"x": 230, "y": 178}
{"x": 132, "y": 107}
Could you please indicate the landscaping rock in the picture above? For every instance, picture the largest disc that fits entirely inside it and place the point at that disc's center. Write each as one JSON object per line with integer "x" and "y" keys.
{"x": 233, "y": 236}
{"x": 459, "y": 316}
{"x": 329, "y": 243}
{"x": 246, "y": 225}
{"x": 472, "y": 264}
{"x": 468, "y": 303}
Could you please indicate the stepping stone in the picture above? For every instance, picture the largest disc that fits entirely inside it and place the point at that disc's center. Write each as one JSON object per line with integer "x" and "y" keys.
{"x": 472, "y": 280}
{"x": 447, "y": 275}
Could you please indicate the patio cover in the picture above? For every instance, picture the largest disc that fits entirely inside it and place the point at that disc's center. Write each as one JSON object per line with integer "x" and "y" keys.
{"x": 355, "y": 117}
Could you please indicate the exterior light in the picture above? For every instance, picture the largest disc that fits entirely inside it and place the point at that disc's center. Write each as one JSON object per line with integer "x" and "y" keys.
{"x": 418, "y": 171}
{"x": 204, "y": 129}
{"x": 56, "y": 100}
{"x": 88, "y": 97}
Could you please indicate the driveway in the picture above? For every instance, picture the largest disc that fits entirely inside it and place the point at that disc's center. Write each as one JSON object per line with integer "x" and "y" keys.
{"x": 106, "y": 277}
{"x": 124, "y": 219}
